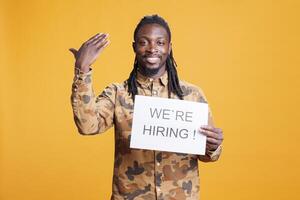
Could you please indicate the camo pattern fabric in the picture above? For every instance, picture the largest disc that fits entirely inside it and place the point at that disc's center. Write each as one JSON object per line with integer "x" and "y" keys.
{"x": 138, "y": 174}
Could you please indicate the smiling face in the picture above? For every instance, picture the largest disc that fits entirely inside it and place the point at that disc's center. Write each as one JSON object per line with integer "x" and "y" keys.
{"x": 152, "y": 47}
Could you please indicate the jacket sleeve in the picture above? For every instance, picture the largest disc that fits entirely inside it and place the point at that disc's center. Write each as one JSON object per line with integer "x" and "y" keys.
{"x": 92, "y": 115}
{"x": 210, "y": 156}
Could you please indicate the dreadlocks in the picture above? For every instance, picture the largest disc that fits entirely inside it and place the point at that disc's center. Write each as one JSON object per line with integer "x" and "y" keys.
{"x": 173, "y": 81}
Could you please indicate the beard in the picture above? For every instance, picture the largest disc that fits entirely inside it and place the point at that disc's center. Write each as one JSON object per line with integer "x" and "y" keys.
{"x": 149, "y": 71}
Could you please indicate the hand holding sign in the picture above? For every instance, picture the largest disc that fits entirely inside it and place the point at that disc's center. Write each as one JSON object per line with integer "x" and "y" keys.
{"x": 214, "y": 137}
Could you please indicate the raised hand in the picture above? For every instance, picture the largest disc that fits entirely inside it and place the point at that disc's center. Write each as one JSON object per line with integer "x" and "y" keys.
{"x": 89, "y": 51}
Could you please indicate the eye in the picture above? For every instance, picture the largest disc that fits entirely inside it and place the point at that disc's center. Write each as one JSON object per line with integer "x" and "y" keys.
{"x": 142, "y": 42}
{"x": 161, "y": 43}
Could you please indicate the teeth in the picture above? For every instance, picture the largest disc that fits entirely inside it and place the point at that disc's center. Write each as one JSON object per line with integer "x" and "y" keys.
{"x": 152, "y": 60}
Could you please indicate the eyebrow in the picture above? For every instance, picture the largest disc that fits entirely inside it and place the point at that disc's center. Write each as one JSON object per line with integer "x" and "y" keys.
{"x": 161, "y": 37}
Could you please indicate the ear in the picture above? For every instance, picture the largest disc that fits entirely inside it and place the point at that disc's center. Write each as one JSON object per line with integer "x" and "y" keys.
{"x": 133, "y": 46}
{"x": 170, "y": 47}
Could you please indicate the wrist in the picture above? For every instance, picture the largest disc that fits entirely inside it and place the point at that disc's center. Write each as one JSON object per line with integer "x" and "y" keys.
{"x": 83, "y": 69}
{"x": 78, "y": 71}
{"x": 214, "y": 154}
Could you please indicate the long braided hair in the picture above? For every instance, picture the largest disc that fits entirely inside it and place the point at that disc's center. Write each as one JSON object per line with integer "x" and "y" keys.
{"x": 173, "y": 81}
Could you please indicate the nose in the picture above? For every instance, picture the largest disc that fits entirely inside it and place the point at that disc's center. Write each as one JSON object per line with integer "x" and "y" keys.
{"x": 152, "y": 47}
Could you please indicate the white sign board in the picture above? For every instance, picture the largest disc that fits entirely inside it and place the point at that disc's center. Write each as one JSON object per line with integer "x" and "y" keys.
{"x": 168, "y": 125}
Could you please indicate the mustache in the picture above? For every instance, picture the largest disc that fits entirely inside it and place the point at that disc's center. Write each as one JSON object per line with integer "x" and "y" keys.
{"x": 152, "y": 56}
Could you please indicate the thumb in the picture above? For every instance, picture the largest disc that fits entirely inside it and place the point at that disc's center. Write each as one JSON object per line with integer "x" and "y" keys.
{"x": 74, "y": 51}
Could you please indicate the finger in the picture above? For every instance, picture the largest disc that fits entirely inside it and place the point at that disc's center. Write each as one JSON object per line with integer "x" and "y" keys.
{"x": 101, "y": 41}
{"x": 212, "y": 140}
{"x": 92, "y": 40}
{"x": 74, "y": 51}
{"x": 209, "y": 133}
{"x": 211, "y": 128}
{"x": 101, "y": 48}
{"x": 217, "y": 142}
{"x": 97, "y": 35}
{"x": 211, "y": 147}
{"x": 100, "y": 38}
{"x": 102, "y": 45}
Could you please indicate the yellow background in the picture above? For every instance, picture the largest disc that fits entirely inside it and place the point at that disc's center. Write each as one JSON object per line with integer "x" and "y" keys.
{"x": 243, "y": 54}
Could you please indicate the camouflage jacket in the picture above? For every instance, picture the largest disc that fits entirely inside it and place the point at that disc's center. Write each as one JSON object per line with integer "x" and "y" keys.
{"x": 138, "y": 174}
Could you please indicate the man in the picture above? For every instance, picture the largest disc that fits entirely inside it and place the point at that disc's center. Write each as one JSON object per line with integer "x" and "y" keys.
{"x": 141, "y": 174}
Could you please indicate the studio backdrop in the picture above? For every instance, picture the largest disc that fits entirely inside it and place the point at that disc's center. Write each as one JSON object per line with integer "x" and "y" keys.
{"x": 243, "y": 54}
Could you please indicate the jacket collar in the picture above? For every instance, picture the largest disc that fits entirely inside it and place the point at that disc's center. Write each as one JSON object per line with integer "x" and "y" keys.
{"x": 146, "y": 81}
